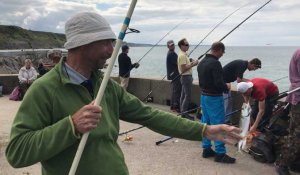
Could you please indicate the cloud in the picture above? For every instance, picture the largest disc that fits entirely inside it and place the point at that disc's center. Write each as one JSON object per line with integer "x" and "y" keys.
{"x": 277, "y": 23}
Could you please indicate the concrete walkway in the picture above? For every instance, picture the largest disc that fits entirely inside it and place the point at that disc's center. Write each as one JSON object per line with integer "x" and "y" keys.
{"x": 143, "y": 157}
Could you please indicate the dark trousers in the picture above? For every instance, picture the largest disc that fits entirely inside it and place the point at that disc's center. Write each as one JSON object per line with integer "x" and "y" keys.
{"x": 269, "y": 105}
{"x": 23, "y": 88}
{"x": 291, "y": 148}
{"x": 176, "y": 93}
{"x": 186, "y": 92}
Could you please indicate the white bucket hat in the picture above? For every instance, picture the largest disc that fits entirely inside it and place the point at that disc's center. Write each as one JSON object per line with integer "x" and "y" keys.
{"x": 242, "y": 87}
{"x": 85, "y": 28}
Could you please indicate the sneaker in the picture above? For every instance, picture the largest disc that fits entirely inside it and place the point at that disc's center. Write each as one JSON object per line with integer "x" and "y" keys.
{"x": 224, "y": 158}
{"x": 208, "y": 152}
{"x": 282, "y": 170}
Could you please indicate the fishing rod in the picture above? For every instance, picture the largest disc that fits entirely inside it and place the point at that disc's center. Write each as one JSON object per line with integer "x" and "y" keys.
{"x": 140, "y": 127}
{"x": 126, "y": 132}
{"x": 237, "y": 26}
{"x": 219, "y": 40}
{"x": 228, "y": 34}
{"x": 233, "y": 96}
{"x": 157, "y": 43}
{"x": 103, "y": 84}
{"x": 169, "y": 138}
{"x": 216, "y": 26}
{"x": 283, "y": 94}
{"x": 280, "y": 78}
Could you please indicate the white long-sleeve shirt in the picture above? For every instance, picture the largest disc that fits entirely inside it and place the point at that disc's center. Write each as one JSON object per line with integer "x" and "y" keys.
{"x": 27, "y": 74}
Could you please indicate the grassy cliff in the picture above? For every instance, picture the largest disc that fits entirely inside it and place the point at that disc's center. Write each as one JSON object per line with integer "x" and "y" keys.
{"x": 13, "y": 37}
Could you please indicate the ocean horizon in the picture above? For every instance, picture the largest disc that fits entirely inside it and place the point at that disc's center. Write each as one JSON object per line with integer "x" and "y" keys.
{"x": 275, "y": 61}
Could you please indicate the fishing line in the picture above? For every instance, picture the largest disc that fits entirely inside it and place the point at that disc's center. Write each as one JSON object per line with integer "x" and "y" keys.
{"x": 237, "y": 26}
{"x": 158, "y": 42}
{"x": 228, "y": 34}
{"x": 216, "y": 26}
{"x": 190, "y": 52}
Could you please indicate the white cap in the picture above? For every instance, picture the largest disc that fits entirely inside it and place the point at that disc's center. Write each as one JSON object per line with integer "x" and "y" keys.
{"x": 242, "y": 87}
{"x": 85, "y": 28}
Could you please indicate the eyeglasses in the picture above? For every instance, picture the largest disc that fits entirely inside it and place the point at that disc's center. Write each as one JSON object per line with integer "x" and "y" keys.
{"x": 186, "y": 44}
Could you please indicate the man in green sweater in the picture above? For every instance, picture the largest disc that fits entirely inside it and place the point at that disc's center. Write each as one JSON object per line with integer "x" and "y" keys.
{"x": 58, "y": 109}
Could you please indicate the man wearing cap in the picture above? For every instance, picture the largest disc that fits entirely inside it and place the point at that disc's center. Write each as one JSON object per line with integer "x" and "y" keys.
{"x": 212, "y": 104}
{"x": 234, "y": 71}
{"x": 59, "y": 108}
{"x": 172, "y": 73}
{"x": 54, "y": 56}
{"x": 125, "y": 66}
{"x": 264, "y": 92}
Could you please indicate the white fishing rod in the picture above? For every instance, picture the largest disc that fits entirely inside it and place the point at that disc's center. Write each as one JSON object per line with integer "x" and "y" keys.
{"x": 104, "y": 83}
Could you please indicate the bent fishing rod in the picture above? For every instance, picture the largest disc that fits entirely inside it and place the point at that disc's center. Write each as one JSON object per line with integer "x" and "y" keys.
{"x": 226, "y": 35}
{"x": 169, "y": 138}
{"x": 157, "y": 43}
{"x": 150, "y": 92}
{"x": 104, "y": 83}
{"x": 216, "y": 26}
{"x": 219, "y": 40}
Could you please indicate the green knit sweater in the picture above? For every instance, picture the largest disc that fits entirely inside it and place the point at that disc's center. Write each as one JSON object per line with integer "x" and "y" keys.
{"x": 43, "y": 131}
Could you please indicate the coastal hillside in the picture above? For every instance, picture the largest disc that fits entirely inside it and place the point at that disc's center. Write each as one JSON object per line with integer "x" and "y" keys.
{"x": 14, "y": 37}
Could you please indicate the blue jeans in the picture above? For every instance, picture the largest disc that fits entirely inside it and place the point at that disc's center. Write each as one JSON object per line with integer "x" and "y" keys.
{"x": 213, "y": 114}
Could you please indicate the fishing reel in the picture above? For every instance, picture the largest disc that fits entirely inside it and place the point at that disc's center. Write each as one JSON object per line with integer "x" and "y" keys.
{"x": 132, "y": 31}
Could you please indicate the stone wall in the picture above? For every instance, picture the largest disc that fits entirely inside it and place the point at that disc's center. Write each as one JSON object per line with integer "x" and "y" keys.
{"x": 159, "y": 90}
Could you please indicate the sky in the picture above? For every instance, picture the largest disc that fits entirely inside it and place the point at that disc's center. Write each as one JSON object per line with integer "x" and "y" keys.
{"x": 277, "y": 24}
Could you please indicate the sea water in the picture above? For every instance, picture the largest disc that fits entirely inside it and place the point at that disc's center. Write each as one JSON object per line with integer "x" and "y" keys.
{"x": 275, "y": 61}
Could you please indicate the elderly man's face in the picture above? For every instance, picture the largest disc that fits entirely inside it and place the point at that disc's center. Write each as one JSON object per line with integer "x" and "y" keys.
{"x": 98, "y": 52}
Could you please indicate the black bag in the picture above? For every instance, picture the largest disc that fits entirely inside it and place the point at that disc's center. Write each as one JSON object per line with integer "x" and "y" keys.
{"x": 295, "y": 166}
{"x": 261, "y": 148}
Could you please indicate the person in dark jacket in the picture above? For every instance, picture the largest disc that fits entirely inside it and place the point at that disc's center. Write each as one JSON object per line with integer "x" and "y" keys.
{"x": 125, "y": 66}
{"x": 172, "y": 73}
{"x": 213, "y": 86}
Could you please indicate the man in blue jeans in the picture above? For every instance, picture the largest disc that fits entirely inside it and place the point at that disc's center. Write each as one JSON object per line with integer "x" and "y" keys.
{"x": 212, "y": 103}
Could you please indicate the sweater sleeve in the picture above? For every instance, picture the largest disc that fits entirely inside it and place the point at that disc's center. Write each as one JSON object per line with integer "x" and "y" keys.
{"x": 34, "y": 137}
{"x": 133, "y": 110}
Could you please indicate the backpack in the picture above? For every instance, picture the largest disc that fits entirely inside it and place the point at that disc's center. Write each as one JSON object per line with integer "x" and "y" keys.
{"x": 15, "y": 94}
{"x": 262, "y": 148}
